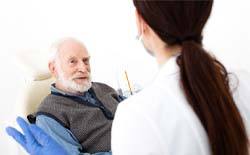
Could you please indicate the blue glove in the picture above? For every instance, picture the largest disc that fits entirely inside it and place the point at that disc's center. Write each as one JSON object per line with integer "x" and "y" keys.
{"x": 34, "y": 140}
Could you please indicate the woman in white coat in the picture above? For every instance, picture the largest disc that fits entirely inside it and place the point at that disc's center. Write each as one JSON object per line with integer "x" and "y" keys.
{"x": 190, "y": 109}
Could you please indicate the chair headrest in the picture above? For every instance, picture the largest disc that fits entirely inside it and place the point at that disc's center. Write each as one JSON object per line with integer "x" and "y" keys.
{"x": 34, "y": 64}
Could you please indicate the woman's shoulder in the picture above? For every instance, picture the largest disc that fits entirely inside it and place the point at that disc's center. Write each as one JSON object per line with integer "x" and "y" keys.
{"x": 149, "y": 103}
{"x": 240, "y": 84}
{"x": 239, "y": 81}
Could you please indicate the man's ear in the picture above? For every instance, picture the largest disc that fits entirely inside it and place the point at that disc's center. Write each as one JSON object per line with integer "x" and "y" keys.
{"x": 52, "y": 68}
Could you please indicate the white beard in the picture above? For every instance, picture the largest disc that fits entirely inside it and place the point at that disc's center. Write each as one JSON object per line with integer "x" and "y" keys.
{"x": 71, "y": 85}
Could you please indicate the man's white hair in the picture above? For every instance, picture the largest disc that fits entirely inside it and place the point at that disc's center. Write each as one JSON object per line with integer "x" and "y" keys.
{"x": 55, "y": 47}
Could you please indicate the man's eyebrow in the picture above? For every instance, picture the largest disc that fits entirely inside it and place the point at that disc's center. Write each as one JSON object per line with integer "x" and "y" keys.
{"x": 74, "y": 57}
{"x": 71, "y": 57}
{"x": 86, "y": 58}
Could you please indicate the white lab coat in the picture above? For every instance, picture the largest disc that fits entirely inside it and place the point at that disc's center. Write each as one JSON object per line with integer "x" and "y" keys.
{"x": 159, "y": 121}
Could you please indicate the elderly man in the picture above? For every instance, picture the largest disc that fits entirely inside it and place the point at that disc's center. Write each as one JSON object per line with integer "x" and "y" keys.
{"x": 78, "y": 113}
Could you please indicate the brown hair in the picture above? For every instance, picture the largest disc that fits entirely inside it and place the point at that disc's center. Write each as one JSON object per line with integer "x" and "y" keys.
{"x": 204, "y": 79}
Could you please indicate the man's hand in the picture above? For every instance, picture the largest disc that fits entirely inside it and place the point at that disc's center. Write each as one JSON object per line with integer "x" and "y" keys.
{"x": 34, "y": 140}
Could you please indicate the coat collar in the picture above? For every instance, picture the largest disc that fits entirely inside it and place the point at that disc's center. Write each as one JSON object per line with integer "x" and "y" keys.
{"x": 170, "y": 67}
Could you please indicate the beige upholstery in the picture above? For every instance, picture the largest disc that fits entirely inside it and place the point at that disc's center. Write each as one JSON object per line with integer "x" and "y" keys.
{"x": 31, "y": 96}
{"x": 36, "y": 82}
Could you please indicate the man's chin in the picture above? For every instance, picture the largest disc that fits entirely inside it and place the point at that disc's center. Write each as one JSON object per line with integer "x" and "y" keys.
{"x": 81, "y": 81}
{"x": 79, "y": 88}
{"x": 83, "y": 86}
{"x": 77, "y": 84}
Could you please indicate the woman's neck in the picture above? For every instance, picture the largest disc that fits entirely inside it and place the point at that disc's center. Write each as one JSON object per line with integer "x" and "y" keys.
{"x": 163, "y": 53}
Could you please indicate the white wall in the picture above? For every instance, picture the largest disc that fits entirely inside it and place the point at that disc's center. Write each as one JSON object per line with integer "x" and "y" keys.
{"x": 108, "y": 29}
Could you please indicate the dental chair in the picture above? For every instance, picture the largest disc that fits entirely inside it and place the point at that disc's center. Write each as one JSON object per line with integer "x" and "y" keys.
{"x": 36, "y": 80}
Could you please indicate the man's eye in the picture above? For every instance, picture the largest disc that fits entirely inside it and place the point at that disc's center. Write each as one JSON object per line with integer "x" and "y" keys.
{"x": 72, "y": 61}
{"x": 86, "y": 61}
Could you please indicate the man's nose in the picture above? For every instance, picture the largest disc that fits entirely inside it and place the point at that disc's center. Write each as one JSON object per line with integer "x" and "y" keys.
{"x": 83, "y": 67}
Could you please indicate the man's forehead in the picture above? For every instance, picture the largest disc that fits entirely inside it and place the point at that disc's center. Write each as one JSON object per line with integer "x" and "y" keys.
{"x": 73, "y": 49}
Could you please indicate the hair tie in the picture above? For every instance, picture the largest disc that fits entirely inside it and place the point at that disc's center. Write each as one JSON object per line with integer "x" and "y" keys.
{"x": 196, "y": 39}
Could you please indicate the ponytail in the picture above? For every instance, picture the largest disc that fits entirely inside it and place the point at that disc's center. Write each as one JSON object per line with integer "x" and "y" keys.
{"x": 204, "y": 80}
{"x": 205, "y": 84}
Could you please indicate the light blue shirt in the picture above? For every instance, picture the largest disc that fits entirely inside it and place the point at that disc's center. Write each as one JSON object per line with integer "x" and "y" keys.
{"x": 62, "y": 135}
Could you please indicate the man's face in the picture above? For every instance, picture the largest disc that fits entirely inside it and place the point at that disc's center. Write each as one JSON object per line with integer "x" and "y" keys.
{"x": 73, "y": 68}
